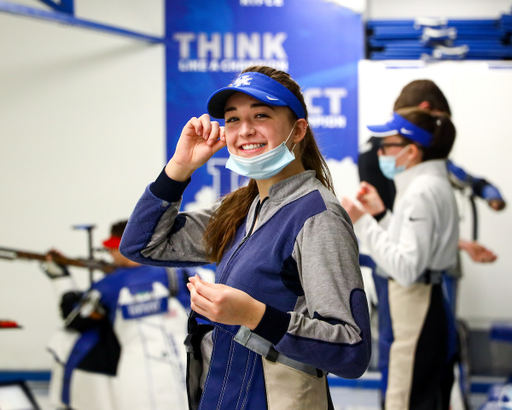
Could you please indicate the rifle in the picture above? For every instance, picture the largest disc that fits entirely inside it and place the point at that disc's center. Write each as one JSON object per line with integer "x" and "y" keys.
{"x": 13, "y": 254}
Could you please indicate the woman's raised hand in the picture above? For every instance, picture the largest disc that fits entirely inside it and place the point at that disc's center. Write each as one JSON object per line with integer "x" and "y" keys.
{"x": 370, "y": 199}
{"x": 199, "y": 140}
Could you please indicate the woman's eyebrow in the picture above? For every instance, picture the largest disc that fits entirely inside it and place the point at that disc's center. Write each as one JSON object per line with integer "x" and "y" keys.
{"x": 260, "y": 104}
{"x": 255, "y": 105}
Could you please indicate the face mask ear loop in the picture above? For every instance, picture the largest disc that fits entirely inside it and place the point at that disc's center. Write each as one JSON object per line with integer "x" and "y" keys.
{"x": 402, "y": 153}
{"x": 289, "y": 138}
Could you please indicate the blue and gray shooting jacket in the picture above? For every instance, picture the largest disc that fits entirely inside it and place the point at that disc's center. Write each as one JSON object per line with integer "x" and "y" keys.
{"x": 297, "y": 253}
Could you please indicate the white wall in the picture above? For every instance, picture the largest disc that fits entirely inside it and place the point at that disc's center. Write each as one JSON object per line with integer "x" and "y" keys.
{"x": 82, "y": 133}
{"x": 480, "y": 97}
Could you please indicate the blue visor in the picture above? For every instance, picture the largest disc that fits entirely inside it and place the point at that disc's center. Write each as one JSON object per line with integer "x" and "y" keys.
{"x": 259, "y": 86}
{"x": 399, "y": 125}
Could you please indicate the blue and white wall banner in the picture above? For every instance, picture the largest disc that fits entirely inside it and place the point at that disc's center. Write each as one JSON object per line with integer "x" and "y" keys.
{"x": 319, "y": 42}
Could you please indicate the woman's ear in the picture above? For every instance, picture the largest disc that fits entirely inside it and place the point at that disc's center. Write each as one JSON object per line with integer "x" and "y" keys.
{"x": 301, "y": 127}
{"x": 416, "y": 154}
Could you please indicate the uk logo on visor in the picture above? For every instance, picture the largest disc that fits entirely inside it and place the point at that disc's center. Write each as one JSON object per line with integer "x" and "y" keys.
{"x": 242, "y": 80}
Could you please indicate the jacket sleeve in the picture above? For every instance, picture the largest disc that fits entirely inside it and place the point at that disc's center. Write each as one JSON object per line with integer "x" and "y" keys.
{"x": 330, "y": 326}
{"x": 479, "y": 186}
{"x": 404, "y": 260}
{"x": 158, "y": 234}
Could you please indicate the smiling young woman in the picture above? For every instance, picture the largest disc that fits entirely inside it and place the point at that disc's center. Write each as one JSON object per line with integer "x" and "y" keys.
{"x": 288, "y": 304}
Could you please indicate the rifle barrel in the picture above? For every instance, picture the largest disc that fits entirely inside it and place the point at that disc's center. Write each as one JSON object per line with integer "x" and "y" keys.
{"x": 13, "y": 254}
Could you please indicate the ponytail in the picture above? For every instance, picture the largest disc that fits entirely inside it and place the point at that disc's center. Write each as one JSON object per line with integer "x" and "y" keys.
{"x": 440, "y": 126}
{"x": 444, "y": 138}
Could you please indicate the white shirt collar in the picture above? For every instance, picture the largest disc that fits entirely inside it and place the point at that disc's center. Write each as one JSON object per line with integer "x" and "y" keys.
{"x": 432, "y": 167}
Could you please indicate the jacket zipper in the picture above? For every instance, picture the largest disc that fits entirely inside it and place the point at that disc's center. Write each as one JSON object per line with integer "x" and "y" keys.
{"x": 246, "y": 237}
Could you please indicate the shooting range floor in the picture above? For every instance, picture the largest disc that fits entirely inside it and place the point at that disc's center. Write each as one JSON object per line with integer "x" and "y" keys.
{"x": 344, "y": 398}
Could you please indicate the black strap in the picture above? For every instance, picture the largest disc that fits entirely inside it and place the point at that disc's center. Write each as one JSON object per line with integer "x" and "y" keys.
{"x": 272, "y": 354}
{"x": 428, "y": 276}
{"x": 196, "y": 333}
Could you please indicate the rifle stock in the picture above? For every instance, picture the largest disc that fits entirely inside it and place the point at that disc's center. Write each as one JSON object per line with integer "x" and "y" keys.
{"x": 14, "y": 254}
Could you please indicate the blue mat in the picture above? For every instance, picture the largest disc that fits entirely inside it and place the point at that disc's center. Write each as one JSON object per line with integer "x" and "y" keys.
{"x": 440, "y": 39}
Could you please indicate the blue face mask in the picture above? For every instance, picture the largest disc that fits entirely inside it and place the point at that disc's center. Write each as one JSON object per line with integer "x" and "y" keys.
{"x": 387, "y": 164}
{"x": 265, "y": 165}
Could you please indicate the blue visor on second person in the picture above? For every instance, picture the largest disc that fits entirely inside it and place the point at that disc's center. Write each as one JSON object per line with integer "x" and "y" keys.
{"x": 399, "y": 125}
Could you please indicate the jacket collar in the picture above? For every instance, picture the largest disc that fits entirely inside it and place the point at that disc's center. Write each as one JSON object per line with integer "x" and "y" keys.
{"x": 282, "y": 193}
{"x": 290, "y": 187}
{"x": 435, "y": 167}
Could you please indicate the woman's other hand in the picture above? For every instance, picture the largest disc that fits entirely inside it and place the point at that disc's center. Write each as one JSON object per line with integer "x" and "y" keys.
{"x": 477, "y": 252}
{"x": 497, "y": 204}
{"x": 224, "y": 304}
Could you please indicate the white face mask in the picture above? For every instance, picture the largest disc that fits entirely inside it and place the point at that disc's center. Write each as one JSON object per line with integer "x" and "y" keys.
{"x": 265, "y": 165}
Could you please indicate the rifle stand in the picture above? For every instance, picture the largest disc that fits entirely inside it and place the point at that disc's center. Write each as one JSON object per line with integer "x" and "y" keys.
{"x": 89, "y": 229}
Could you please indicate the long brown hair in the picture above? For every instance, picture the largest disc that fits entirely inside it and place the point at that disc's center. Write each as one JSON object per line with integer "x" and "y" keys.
{"x": 235, "y": 206}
